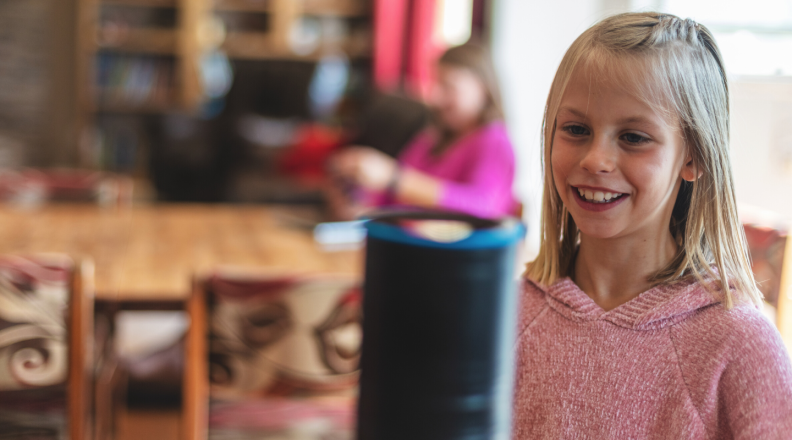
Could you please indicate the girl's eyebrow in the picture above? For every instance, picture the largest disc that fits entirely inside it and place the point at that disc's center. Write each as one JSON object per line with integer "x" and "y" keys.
{"x": 637, "y": 119}
{"x": 577, "y": 113}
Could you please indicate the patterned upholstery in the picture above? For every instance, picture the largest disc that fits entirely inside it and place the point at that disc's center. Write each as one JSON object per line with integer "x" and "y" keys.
{"x": 767, "y": 246}
{"x": 282, "y": 345}
{"x": 34, "y": 358}
{"x": 34, "y": 186}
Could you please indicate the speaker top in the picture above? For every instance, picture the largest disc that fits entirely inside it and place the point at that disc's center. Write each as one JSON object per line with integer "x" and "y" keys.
{"x": 444, "y": 230}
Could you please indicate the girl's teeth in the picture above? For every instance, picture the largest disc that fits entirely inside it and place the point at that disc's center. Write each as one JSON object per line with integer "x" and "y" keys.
{"x": 597, "y": 196}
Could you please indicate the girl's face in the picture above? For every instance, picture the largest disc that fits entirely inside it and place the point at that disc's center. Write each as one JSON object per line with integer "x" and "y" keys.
{"x": 617, "y": 163}
{"x": 458, "y": 98}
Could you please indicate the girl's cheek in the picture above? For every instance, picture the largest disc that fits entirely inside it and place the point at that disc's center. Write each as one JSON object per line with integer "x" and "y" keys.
{"x": 559, "y": 177}
{"x": 558, "y": 158}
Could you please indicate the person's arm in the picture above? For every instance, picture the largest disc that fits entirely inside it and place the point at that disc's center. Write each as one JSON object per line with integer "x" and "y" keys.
{"x": 486, "y": 190}
{"x": 755, "y": 388}
{"x": 412, "y": 187}
{"x": 378, "y": 172}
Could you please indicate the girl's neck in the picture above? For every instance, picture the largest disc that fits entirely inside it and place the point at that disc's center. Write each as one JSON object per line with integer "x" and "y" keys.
{"x": 448, "y": 137}
{"x": 614, "y": 271}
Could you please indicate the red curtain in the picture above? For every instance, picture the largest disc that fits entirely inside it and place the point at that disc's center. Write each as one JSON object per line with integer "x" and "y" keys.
{"x": 390, "y": 23}
{"x": 404, "y": 49}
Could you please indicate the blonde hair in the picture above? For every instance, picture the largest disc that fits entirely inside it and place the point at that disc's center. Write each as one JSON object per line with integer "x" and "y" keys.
{"x": 681, "y": 74}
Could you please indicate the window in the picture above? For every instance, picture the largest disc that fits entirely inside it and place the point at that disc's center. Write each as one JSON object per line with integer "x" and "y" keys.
{"x": 453, "y": 21}
{"x": 755, "y": 37}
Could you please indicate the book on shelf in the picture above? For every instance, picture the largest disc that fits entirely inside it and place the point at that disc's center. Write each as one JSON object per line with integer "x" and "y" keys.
{"x": 119, "y": 142}
{"x": 130, "y": 81}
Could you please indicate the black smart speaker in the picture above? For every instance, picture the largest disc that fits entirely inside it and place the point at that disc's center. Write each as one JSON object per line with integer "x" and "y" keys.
{"x": 439, "y": 315}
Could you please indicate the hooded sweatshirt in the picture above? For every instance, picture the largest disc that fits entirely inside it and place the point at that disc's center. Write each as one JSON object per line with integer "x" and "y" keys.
{"x": 671, "y": 363}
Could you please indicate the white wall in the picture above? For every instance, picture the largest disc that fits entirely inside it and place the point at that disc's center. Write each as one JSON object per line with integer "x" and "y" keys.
{"x": 761, "y": 144}
{"x": 529, "y": 38}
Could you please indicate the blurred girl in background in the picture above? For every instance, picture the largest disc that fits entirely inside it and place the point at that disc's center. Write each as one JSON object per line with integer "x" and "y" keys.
{"x": 463, "y": 162}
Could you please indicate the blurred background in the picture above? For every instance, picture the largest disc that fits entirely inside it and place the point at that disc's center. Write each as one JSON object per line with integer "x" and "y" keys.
{"x": 203, "y": 115}
{"x": 243, "y": 100}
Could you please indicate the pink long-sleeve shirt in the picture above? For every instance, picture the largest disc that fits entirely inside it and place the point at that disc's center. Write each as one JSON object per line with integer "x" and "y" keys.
{"x": 672, "y": 363}
{"x": 477, "y": 171}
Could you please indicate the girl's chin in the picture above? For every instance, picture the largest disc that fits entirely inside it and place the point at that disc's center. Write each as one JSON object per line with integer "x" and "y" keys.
{"x": 598, "y": 230}
{"x": 598, "y": 234}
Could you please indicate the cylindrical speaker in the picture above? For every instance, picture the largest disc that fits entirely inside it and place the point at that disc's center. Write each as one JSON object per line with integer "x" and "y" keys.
{"x": 439, "y": 314}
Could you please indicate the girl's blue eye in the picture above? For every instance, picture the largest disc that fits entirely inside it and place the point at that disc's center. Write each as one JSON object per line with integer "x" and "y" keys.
{"x": 633, "y": 138}
{"x": 576, "y": 130}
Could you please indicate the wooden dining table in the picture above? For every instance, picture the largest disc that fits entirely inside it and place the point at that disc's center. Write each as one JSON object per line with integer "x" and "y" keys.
{"x": 152, "y": 252}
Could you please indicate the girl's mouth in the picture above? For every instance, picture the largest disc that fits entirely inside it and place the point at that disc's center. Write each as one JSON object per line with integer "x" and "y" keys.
{"x": 595, "y": 200}
{"x": 598, "y": 196}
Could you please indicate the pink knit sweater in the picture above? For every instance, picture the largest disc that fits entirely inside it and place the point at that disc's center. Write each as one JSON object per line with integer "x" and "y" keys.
{"x": 672, "y": 363}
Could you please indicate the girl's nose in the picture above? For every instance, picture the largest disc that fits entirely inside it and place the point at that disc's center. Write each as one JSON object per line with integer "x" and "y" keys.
{"x": 599, "y": 158}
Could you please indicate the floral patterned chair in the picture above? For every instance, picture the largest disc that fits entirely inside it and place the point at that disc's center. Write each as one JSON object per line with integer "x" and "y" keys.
{"x": 45, "y": 329}
{"x": 768, "y": 245}
{"x": 282, "y": 356}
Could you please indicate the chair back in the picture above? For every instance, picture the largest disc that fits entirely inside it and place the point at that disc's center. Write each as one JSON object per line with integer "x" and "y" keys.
{"x": 45, "y": 326}
{"x": 37, "y": 186}
{"x": 767, "y": 246}
{"x": 287, "y": 345}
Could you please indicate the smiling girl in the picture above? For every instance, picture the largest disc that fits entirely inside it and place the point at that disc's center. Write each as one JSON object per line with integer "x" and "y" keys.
{"x": 639, "y": 316}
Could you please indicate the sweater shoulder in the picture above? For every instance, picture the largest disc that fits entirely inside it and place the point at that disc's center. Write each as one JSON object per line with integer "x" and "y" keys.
{"x": 715, "y": 340}
{"x": 737, "y": 370}
{"x": 715, "y": 326}
{"x": 753, "y": 341}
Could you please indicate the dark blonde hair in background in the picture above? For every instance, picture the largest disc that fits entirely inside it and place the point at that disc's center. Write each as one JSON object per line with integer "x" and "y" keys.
{"x": 678, "y": 70}
{"x": 476, "y": 59}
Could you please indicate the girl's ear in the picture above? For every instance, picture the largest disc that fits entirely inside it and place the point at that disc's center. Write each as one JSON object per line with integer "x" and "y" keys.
{"x": 690, "y": 171}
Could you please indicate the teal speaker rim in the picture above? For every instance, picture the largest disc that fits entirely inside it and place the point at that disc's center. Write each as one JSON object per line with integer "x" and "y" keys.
{"x": 487, "y": 234}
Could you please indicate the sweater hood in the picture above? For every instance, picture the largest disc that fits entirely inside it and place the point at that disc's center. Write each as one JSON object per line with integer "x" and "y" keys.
{"x": 656, "y": 308}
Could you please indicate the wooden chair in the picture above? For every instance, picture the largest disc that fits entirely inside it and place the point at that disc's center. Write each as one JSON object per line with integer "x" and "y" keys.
{"x": 767, "y": 245}
{"x": 771, "y": 260}
{"x": 36, "y": 186}
{"x": 114, "y": 382}
{"x": 46, "y": 323}
{"x": 271, "y": 353}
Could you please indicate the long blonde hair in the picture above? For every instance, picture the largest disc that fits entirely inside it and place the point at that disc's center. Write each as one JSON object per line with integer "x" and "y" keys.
{"x": 682, "y": 75}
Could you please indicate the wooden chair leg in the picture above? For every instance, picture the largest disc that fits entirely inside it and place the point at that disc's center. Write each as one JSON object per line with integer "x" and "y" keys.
{"x": 195, "y": 404}
{"x": 80, "y": 350}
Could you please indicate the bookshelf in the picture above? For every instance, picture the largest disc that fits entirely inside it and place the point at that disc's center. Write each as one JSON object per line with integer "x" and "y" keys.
{"x": 264, "y": 29}
{"x": 142, "y": 3}
{"x": 243, "y": 5}
{"x": 132, "y": 31}
{"x": 139, "y": 60}
{"x": 155, "y": 41}
{"x": 135, "y": 59}
{"x": 135, "y": 32}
